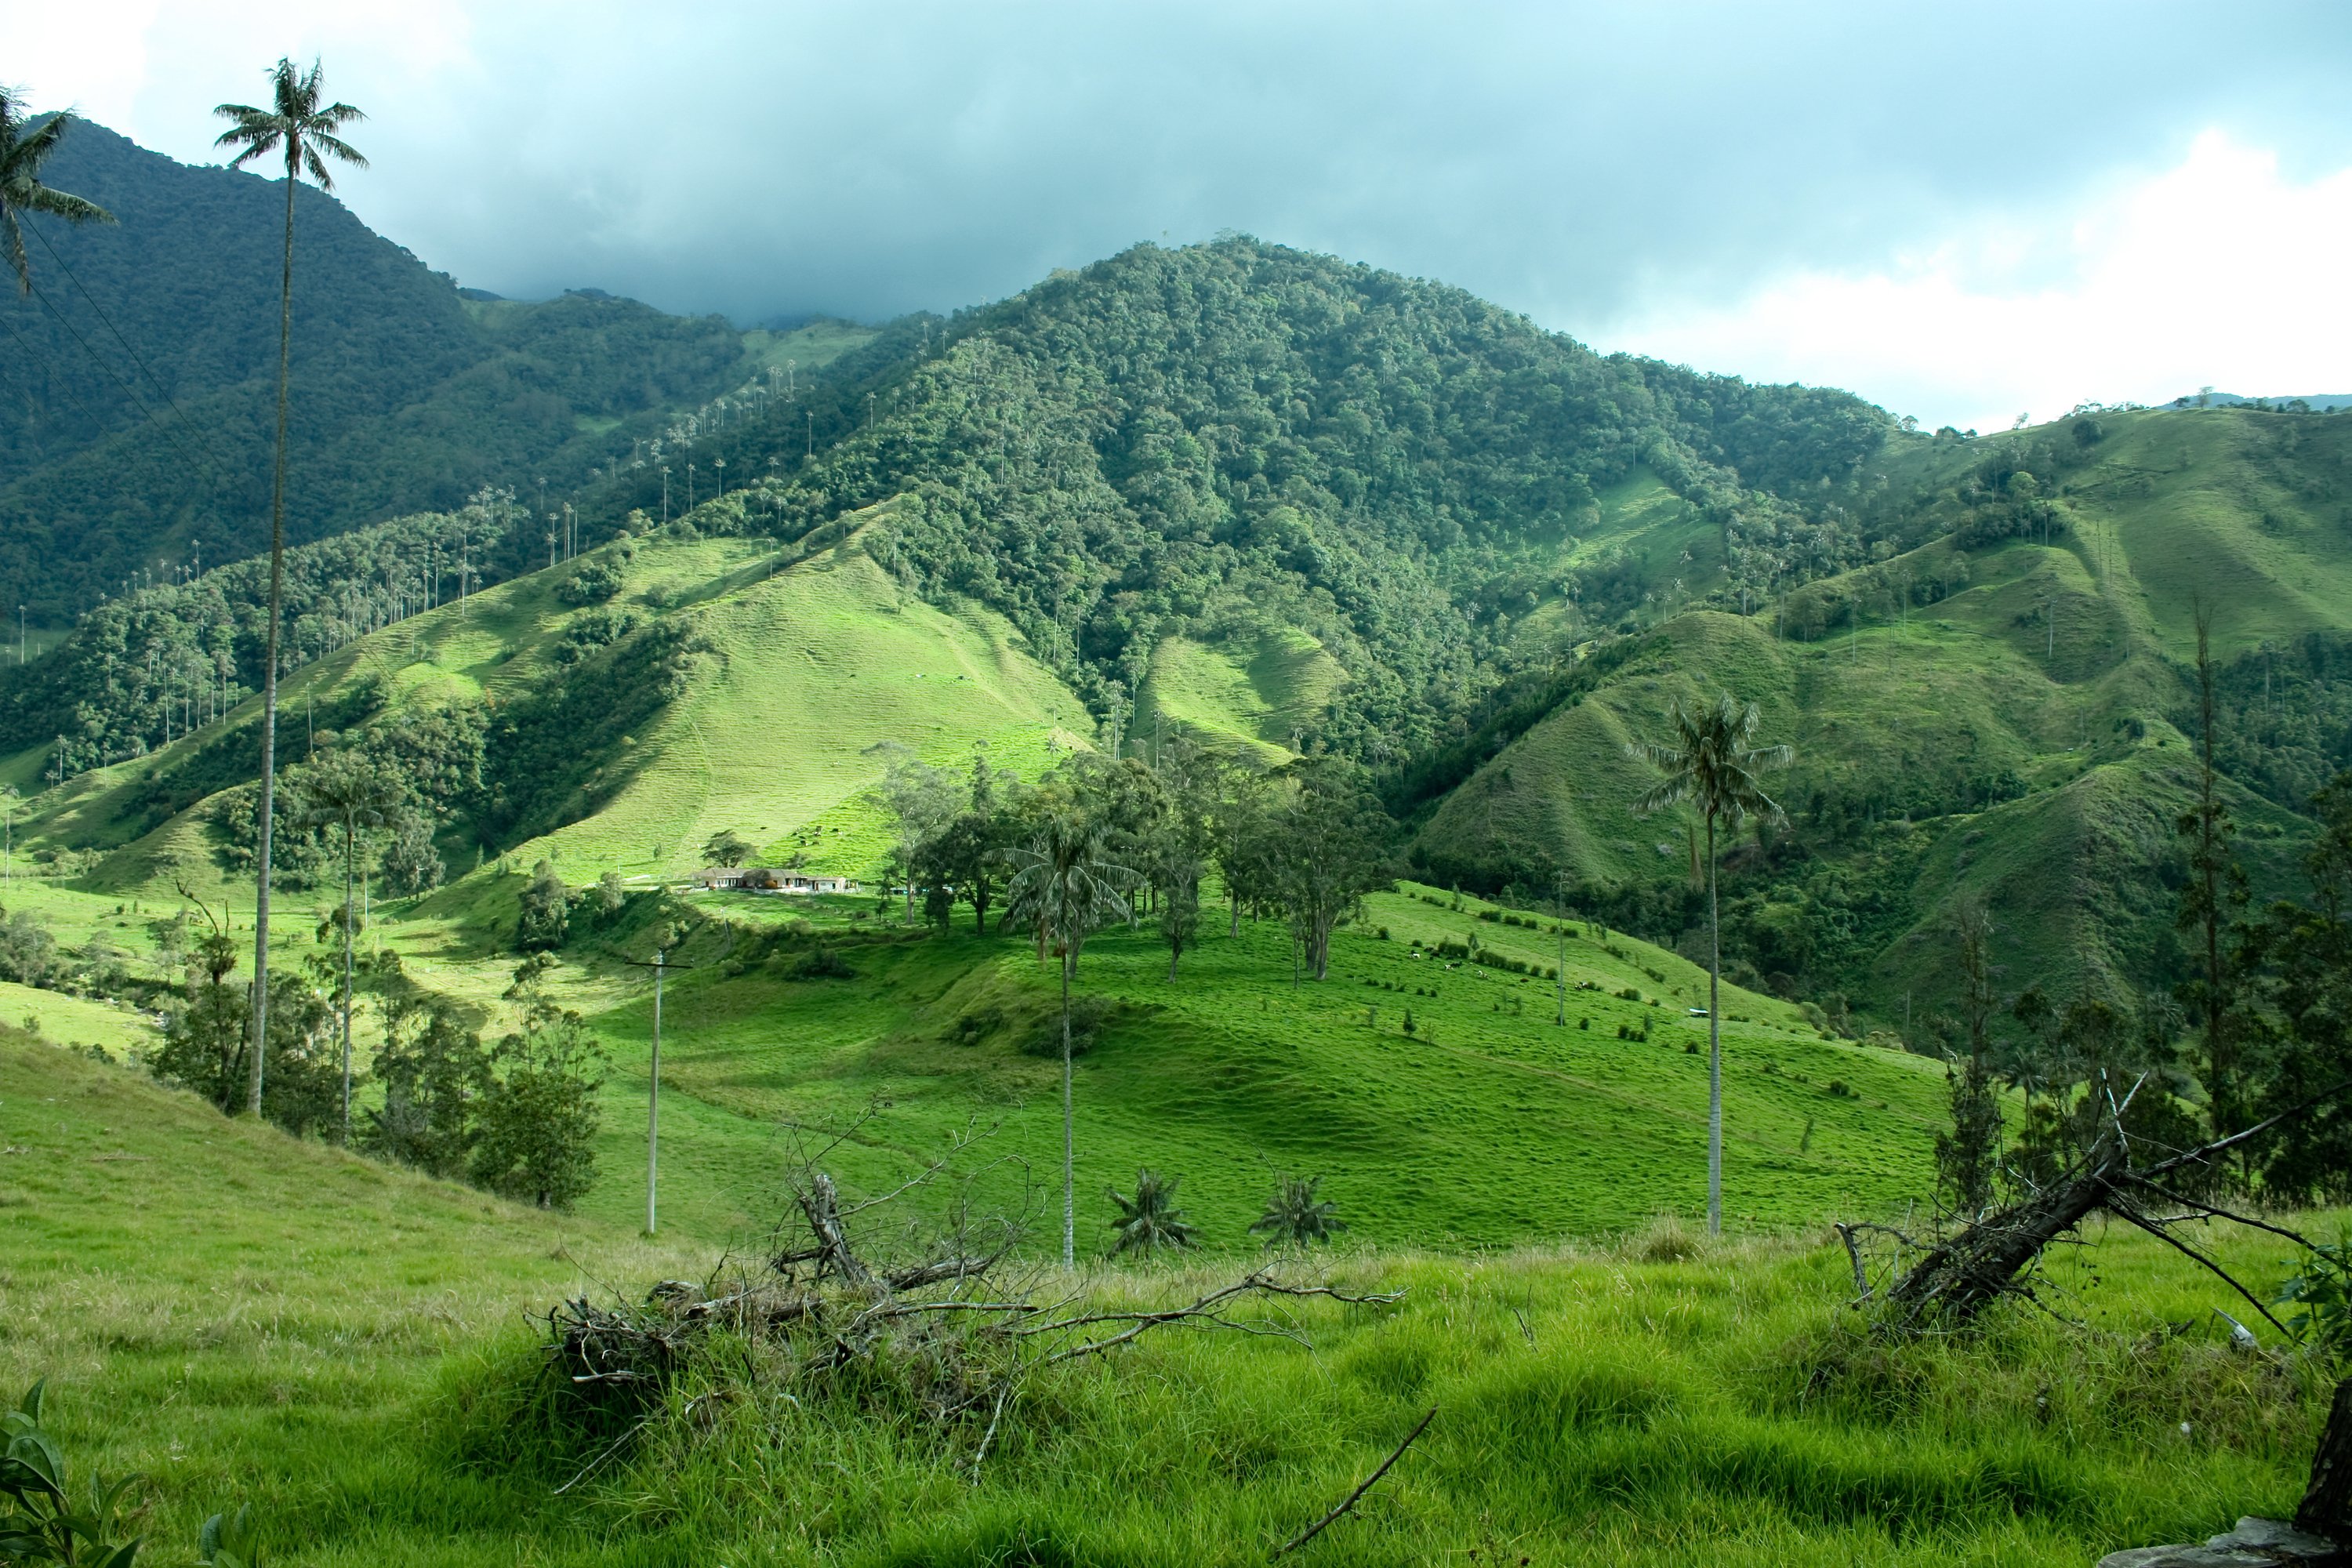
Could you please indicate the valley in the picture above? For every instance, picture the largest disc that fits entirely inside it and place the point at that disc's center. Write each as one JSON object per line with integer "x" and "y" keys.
{"x": 1227, "y": 681}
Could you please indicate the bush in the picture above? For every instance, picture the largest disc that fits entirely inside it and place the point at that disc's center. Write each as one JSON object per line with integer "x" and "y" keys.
{"x": 546, "y": 912}
{"x": 819, "y": 964}
{"x": 593, "y": 582}
{"x": 2321, "y": 1291}
{"x": 1088, "y": 1015}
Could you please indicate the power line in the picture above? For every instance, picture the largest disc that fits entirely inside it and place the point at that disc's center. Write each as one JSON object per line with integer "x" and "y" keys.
{"x": 152, "y": 378}
{"x": 129, "y": 391}
{"x": 33, "y": 348}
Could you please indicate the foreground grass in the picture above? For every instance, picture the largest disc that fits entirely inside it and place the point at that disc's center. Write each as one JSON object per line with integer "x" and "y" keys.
{"x": 249, "y": 1318}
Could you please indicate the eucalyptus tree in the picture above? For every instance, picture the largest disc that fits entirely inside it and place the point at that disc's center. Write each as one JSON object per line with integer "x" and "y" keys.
{"x": 1063, "y": 888}
{"x": 1324, "y": 849}
{"x": 303, "y": 128}
{"x": 346, "y": 789}
{"x": 1711, "y": 764}
{"x": 23, "y": 151}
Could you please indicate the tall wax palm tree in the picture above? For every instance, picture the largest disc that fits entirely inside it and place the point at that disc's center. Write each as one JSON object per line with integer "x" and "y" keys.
{"x": 304, "y": 131}
{"x": 1711, "y": 764}
{"x": 1063, "y": 889}
{"x": 22, "y": 153}
{"x": 345, "y": 790}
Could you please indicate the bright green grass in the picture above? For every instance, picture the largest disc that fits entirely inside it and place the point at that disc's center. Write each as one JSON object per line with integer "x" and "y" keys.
{"x": 818, "y": 666}
{"x": 1254, "y": 694}
{"x": 1488, "y": 1125}
{"x": 817, "y": 344}
{"x": 247, "y": 1319}
{"x": 74, "y": 1020}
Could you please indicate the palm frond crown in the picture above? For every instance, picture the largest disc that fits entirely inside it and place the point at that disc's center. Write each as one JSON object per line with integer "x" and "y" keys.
{"x": 23, "y": 151}
{"x": 1062, "y": 886}
{"x": 1150, "y": 1219}
{"x": 295, "y": 124}
{"x": 1712, "y": 764}
{"x": 1296, "y": 1217}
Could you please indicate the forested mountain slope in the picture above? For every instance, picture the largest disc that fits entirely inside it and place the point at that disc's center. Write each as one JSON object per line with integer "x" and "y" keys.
{"x": 1287, "y": 504}
{"x": 137, "y": 406}
{"x": 1998, "y": 709}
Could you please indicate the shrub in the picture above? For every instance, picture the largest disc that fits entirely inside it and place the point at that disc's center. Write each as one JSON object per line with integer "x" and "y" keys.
{"x": 820, "y": 964}
{"x": 2321, "y": 1291}
{"x": 1088, "y": 1015}
{"x": 39, "y": 1522}
{"x": 546, "y": 910}
{"x": 593, "y": 582}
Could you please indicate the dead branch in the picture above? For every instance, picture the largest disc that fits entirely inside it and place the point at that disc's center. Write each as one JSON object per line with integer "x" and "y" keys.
{"x": 1203, "y": 1311}
{"x": 2130, "y": 1215}
{"x": 1349, "y": 1501}
{"x": 2199, "y": 1209}
{"x": 978, "y": 1346}
{"x": 1989, "y": 1260}
{"x": 821, "y": 1202}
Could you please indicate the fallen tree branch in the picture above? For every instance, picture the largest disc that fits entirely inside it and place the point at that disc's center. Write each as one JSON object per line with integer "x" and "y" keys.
{"x": 2213, "y": 1211}
{"x": 2130, "y": 1215}
{"x": 1353, "y": 1498}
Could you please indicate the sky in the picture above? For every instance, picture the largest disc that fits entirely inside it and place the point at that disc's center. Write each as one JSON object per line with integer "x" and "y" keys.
{"x": 1965, "y": 212}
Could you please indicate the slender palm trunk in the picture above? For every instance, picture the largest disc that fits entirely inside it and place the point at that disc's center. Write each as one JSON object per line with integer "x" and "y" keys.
{"x": 269, "y": 671}
{"x": 1714, "y": 1045}
{"x": 1069, "y": 1160}
{"x": 347, "y": 983}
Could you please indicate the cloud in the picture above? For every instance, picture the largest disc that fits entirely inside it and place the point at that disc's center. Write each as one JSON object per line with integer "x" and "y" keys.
{"x": 1606, "y": 168}
{"x": 2217, "y": 272}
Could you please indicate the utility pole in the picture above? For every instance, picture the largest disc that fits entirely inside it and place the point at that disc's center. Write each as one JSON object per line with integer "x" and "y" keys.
{"x": 660, "y": 966}
{"x": 653, "y": 1100}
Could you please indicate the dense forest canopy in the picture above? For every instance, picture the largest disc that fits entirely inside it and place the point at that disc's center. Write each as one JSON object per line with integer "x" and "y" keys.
{"x": 137, "y": 399}
{"x": 1236, "y": 435}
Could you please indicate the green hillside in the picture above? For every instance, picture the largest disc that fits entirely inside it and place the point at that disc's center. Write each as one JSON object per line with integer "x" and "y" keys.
{"x": 1979, "y": 665}
{"x": 805, "y": 662}
{"x": 2009, "y": 722}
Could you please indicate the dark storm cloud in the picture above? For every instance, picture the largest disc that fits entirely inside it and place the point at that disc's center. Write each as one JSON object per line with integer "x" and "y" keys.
{"x": 1567, "y": 160}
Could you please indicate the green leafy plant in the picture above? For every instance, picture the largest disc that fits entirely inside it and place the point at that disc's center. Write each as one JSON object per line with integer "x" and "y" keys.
{"x": 1150, "y": 1219}
{"x": 2321, "y": 1291}
{"x": 1294, "y": 1217}
{"x": 227, "y": 1540}
{"x": 38, "y": 1522}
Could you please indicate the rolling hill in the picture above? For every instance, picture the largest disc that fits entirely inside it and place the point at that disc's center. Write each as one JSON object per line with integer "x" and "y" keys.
{"x": 1285, "y": 505}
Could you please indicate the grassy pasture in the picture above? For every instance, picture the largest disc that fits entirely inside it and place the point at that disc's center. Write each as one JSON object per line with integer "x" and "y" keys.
{"x": 245, "y": 1318}
{"x": 1488, "y": 1124}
